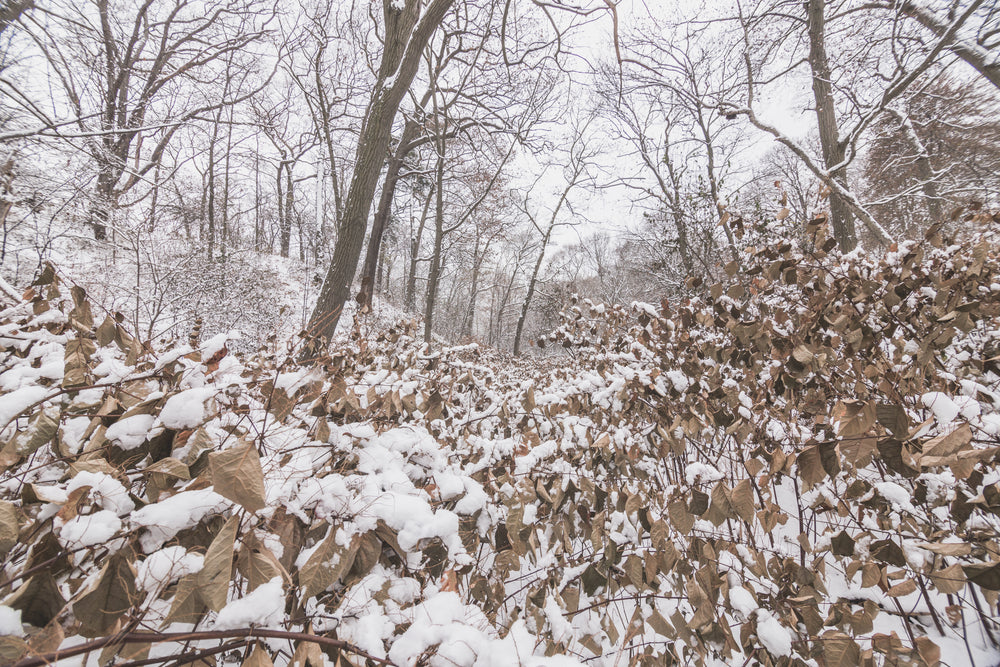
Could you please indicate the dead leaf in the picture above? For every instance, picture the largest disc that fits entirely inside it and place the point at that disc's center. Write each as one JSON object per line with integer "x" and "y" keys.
{"x": 112, "y": 596}
{"x": 237, "y": 475}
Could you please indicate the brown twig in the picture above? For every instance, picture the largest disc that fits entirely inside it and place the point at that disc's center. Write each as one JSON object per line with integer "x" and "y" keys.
{"x": 157, "y": 637}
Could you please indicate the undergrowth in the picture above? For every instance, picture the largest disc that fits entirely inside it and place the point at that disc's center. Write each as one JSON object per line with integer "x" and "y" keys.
{"x": 797, "y": 467}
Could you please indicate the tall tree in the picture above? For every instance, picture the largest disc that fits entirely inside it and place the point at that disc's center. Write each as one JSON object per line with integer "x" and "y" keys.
{"x": 577, "y": 171}
{"x": 834, "y": 151}
{"x": 406, "y": 33}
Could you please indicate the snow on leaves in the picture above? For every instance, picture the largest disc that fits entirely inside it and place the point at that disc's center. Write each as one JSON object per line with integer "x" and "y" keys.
{"x": 797, "y": 466}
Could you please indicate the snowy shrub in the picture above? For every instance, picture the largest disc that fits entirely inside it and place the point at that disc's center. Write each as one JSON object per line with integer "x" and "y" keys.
{"x": 797, "y": 468}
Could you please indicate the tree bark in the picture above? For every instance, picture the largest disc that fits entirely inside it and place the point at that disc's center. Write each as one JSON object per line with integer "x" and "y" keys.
{"x": 281, "y": 205}
{"x": 434, "y": 275}
{"x": 11, "y": 10}
{"x": 826, "y": 115}
{"x": 400, "y": 60}
{"x": 224, "y": 232}
{"x": 410, "y": 295}
{"x": 531, "y": 290}
{"x": 288, "y": 204}
{"x": 468, "y": 320}
{"x": 393, "y": 167}
{"x": 925, "y": 172}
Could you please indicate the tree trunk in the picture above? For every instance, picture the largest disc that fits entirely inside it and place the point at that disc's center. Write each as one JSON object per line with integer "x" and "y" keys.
{"x": 10, "y": 11}
{"x": 434, "y": 275}
{"x": 977, "y": 57}
{"x": 531, "y": 291}
{"x": 258, "y": 223}
{"x": 404, "y": 45}
{"x": 410, "y": 295}
{"x": 713, "y": 184}
{"x": 470, "y": 310}
{"x": 281, "y": 203}
{"x": 673, "y": 197}
{"x": 826, "y": 116}
{"x": 286, "y": 231}
{"x": 502, "y": 307}
{"x": 381, "y": 219}
{"x": 211, "y": 193}
{"x": 104, "y": 202}
{"x": 925, "y": 172}
{"x": 224, "y": 233}
{"x": 154, "y": 199}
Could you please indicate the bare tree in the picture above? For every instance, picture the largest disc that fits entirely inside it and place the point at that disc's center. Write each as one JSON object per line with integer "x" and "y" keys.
{"x": 834, "y": 151}
{"x": 978, "y": 49}
{"x": 868, "y": 102}
{"x": 937, "y": 148}
{"x": 149, "y": 53}
{"x": 577, "y": 171}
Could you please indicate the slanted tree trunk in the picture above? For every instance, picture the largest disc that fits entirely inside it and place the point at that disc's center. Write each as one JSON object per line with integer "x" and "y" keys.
{"x": 978, "y": 57}
{"x": 405, "y": 39}
{"x": 826, "y": 116}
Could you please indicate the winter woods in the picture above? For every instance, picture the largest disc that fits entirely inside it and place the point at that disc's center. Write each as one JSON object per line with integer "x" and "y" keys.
{"x": 499, "y": 332}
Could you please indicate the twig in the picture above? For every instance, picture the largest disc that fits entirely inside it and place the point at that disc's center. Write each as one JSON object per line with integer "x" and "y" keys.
{"x": 157, "y": 637}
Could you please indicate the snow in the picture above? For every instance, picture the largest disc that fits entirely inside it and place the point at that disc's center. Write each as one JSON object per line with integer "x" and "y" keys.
{"x": 456, "y": 633}
{"x": 187, "y": 409}
{"x": 166, "y": 566}
{"x": 742, "y": 601}
{"x": 264, "y": 606}
{"x": 130, "y": 432}
{"x": 772, "y": 634}
{"x": 895, "y": 494}
{"x": 425, "y": 481}
{"x": 945, "y": 410}
{"x": 106, "y": 491}
{"x": 88, "y": 530}
{"x": 72, "y": 432}
{"x": 680, "y": 381}
{"x": 19, "y": 400}
{"x": 701, "y": 472}
{"x": 168, "y": 517}
{"x": 10, "y": 622}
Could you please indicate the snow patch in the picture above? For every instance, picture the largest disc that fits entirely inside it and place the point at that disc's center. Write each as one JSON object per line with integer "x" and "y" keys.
{"x": 187, "y": 409}
{"x": 264, "y": 606}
